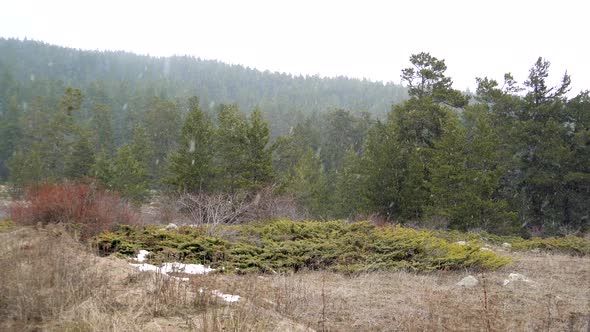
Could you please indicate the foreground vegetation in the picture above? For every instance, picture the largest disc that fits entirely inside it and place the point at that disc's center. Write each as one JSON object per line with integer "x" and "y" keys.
{"x": 282, "y": 246}
{"x": 350, "y": 276}
{"x": 57, "y": 284}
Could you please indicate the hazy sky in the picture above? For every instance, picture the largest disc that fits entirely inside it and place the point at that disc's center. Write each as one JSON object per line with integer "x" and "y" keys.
{"x": 371, "y": 39}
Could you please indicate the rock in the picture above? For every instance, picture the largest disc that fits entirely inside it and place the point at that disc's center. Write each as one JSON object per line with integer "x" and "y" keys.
{"x": 171, "y": 226}
{"x": 517, "y": 277}
{"x": 469, "y": 281}
{"x": 461, "y": 243}
{"x": 512, "y": 277}
{"x": 485, "y": 249}
{"x": 506, "y": 245}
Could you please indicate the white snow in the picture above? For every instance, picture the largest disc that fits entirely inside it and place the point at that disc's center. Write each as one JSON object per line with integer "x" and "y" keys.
{"x": 146, "y": 267}
{"x": 176, "y": 267}
{"x": 141, "y": 256}
{"x": 186, "y": 268}
{"x": 170, "y": 267}
{"x": 226, "y": 297}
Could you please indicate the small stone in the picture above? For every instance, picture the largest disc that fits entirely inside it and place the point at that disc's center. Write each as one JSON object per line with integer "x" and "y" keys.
{"x": 469, "y": 281}
{"x": 512, "y": 277}
{"x": 517, "y": 277}
{"x": 171, "y": 226}
{"x": 461, "y": 243}
{"x": 485, "y": 249}
{"x": 506, "y": 245}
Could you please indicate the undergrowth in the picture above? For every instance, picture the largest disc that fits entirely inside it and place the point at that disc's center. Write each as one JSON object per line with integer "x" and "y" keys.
{"x": 6, "y": 225}
{"x": 285, "y": 245}
{"x": 573, "y": 245}
{"x": 83, "y": 209}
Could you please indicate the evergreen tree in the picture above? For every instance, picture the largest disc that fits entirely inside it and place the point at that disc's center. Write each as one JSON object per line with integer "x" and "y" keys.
{"x": 10, "y": 134}
{"x": 27, "y": 168}
{"x": 466, "y": 177}
{"x": 80, "y": 160}
{"x": 191, "y": 167}
{"x": 259, "y": 154}
{"x": 231, "y": 146}
{"x": 101, "y": 124}
{"x": 128, "y": 177}
{"x": 350, "y": 198}
{"x": 309, "y": 186}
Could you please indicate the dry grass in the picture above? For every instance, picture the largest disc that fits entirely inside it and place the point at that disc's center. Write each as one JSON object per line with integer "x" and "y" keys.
{"x": 51, "y": 282}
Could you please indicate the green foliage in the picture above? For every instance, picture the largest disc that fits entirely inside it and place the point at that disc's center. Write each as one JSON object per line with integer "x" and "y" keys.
{"x": 426, "y": 79}
{"x": 573, "y": 245}
{"x": 102, "y": 127}
{"x": 80, "y": 160}
{"x": 128, "y": 177}
{"x": 243, "y": 155}
{"x": 123, "y": 174}
{"x": 569, "y": 244}
{"x": 258, "y": 153}
{"x": 191, "y": 166}
{"x": 466, "y": 177}
{"x": 162, "y": 124}
{"x": 349, "y": 192}
{"x": 10, "y": 133}
{"x": 231, "y": 142}
{"x": 309, "y": 185}
{"x": 6, "y": 225}
{"x": 292, "y": 246}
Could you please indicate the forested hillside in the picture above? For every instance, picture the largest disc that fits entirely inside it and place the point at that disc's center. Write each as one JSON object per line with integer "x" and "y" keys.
{"x": 514, "y": 158}
{"x": 120, "y": 79}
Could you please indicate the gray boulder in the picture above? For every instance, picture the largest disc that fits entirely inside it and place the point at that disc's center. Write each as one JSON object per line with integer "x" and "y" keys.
{"x": 469, "y": 281}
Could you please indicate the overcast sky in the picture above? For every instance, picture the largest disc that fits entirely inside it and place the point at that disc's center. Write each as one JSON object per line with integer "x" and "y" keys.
{"x": 364, "y": 39}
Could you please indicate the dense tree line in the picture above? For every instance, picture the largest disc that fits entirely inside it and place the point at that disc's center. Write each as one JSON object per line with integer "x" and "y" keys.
{"x": 511, "y": 159}
{"x": 124, "y": 82}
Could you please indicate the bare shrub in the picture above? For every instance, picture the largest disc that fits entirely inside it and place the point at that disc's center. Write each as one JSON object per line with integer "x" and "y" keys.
{"x": 79, "y": 206}
{"x": 236, "y": 208}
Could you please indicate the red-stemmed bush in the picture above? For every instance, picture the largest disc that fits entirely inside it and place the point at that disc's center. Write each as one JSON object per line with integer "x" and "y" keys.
{"x": 79, "y": 206}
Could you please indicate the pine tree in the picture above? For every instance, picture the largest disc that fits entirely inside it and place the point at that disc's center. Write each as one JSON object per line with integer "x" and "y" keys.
{"x": 350, "y": 198}
{"x": 231, "y": 149}
{"x": 258, "y": 165}
{"x": 80, "y": 160}
{"x": 128, "y": 177}
{"x": 11, "y": 134}
{"x": 468, "y": 165}
{"x": 191, "y": 167}
{"x": 309, "y": 185}
{"x": 101, "y": 124}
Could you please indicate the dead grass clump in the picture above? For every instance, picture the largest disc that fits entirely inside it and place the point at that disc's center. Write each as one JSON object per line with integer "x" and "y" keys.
{"x": 46, "y": 277}
{"x": 54, "y": 283}
{"x": 85, "y": 209}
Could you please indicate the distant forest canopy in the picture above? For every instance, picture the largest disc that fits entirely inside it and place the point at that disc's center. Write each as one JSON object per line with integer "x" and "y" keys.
{"x": 512, "y": 159}
{"x": 120, "y": 78}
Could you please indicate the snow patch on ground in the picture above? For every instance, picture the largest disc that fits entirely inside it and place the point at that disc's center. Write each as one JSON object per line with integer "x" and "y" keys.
{"x": 226, "y": 297}
{"x": 176, "y": 267}
{"x": 142, "y": 256}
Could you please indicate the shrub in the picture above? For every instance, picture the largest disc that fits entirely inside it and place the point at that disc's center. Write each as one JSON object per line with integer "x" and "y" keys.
{"x": 285, "y": 245}
{"x": 572, "y": 245}
{"x": 81, "y": 207}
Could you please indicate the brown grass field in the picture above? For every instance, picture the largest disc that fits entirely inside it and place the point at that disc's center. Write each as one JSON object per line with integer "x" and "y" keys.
{"x": 50, "y": 282}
